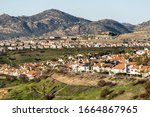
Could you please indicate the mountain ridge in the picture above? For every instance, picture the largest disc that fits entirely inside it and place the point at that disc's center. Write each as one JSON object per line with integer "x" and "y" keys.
{"x": 57, "y": 23}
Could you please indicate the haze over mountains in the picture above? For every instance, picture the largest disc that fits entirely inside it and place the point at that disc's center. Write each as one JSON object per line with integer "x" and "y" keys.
{"x": 57, "y": 23}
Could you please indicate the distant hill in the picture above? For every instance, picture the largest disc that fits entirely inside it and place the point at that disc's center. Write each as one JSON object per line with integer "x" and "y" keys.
{"x": 145, "y": 26}
{"x": 57, "y": 23}
{"x": 129, "y": 26}
{"x": 106, "y": 25}
{"x": 38, "y": 24}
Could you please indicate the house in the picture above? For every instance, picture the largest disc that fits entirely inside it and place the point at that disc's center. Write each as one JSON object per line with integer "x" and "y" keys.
{"x": 27, "y": 47}
{"x": 59, "y": 46}
{"x": 53, "y": 46}
{"x": 46, "y": 46}
{"x": 74, "y": 68}
{"x": 120, "y": 68}
{"x": 118, "y": 58}
{"x": 40, "y": 47}
{"x": 96, "y": 68}
{"x": 134, "y": 70}
{"x": 106, "y": 67}
{"x": 145, "y": 70}
{"x": 13, "y": 72}
{"x": 2, "y": 50}
{"x": 31, "y": 74}
{"x": 140, "y": 52}
{"x": 20, "y": 48}
{"x": 147, "y": 51}
{"x": 34, "y": 47}
{"x": 11, "y": 48}
{"x": 81, "y": 68}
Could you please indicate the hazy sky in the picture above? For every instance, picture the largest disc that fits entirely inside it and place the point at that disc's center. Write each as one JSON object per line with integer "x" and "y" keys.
{"x": 131, "y": 11}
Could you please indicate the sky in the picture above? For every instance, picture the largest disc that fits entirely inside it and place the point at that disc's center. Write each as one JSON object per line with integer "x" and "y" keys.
{"x": 125, "y": 11}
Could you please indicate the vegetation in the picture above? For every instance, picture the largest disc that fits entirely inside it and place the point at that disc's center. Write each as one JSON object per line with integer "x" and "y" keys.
{"x": 48, "y": 89}
{"x": 17, "y": 57}
{"x": 143, "y": 60}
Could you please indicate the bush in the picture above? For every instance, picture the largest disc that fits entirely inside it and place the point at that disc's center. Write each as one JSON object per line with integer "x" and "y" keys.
{"x": 147, "y": 88}
{"x": 101, "y": 83}
{"x": 132, "y": 79}
{"x": 113, "y": 95}
{"x": 105, "y": 72}
{"x": 110, "y": 84}
{"x": 144, "y": 95}
{"x": 135, "y": 97}
{"x": 2, "y": 84}
{"x": 121, "y": 92}
{"x": 105, "y": 92}
{"x": 50, "y": 96}
{"x": 120, "y": 74}
{"x": 12, "y": 58}
{"x": 23, "y": 78}
{"x": 141, "y": 81}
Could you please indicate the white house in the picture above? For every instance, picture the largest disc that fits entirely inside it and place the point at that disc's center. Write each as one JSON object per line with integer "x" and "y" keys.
{"x": 120, "y": 68}
{"x": 140, "y": 52}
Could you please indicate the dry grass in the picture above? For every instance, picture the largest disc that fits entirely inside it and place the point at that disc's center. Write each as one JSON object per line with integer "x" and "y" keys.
{"x": 74, "y": 80}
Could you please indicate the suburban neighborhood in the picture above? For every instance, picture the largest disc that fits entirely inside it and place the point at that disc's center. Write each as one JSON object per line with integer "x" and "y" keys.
{"x": 111, "y": 64}
{"x": 65, "y": 42}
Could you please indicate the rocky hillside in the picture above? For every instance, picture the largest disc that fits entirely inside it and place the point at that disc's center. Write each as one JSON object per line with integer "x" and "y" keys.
{"x": 96, "y": 27}
{"x": 56, "y": 23}
{"x": 129, "y": 26}
{"x": 38, "y": 24}
{"x": 145, "y": 26}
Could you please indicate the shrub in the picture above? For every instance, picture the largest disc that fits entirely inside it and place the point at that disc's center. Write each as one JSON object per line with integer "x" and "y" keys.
{"x": 144, "y": 95}
{"x": 147, "y": 88}
{"x": 135, "y": 97}
{"x": 132, "y": 79}
{"x": 105, "y": 92}
{"x": 110, "y": 84}
{"x": 101, "y": 83}
{"x": 141, "y": 81}
{"x": 50, "y": 96}
{"x": 121, "y": 74}
{"x": 121, "y": 92}
{"x": 113, "y": 95}
{"x": 12, "y": 58}
{"x": 2, "y": 84}
{"x": 105, "y": 72}
{"x": 23, "y": 78}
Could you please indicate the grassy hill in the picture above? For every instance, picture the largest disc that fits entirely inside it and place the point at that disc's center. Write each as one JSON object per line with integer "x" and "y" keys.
{"x": 127, "y": 87}
{"x": 48, "y": 89}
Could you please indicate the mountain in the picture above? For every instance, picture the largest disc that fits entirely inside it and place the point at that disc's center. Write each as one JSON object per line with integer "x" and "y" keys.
{"x": 106, "y": 25}
{"x": 56, "y": 23}
{"x": 47, "y": 21}
{"x": 51, "y": 20}
{"x": 145, "y": 26}
{"x": 129, "y": 26}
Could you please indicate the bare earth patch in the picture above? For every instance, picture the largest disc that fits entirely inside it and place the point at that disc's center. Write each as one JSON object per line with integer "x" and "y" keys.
{"x": 74, "y": 80}
{"x": 125, "y": 96}
{"x": 3, "y": 92}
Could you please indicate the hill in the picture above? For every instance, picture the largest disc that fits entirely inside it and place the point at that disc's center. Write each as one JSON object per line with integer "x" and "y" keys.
{"x": 48, "y": 89}
{"x": 56, "y": 23}
{"x": 129, "y": 26}
{"x": 96, "y": 27}
{"x": 145, "y": 26}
